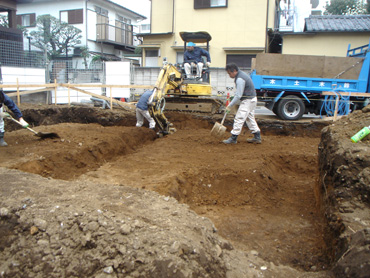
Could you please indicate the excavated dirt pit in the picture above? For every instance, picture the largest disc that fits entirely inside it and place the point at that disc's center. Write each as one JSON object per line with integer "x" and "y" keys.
{"x": 262, "y": 198}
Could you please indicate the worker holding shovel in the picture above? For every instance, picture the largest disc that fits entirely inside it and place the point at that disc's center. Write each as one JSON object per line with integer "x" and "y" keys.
{"x": 4, "y": 99}
{"x": 246, "y": 94}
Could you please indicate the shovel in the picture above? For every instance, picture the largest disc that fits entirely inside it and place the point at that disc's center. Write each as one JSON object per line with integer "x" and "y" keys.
{"x": 218, "y": 130}
{"x": 42, "y": 135}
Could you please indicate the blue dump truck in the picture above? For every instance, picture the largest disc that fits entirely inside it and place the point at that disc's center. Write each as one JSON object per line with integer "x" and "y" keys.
{"x": 293, "y": 85}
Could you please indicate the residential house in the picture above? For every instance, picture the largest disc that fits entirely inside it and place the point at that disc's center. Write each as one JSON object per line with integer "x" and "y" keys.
{"x": 328, "y": 35}
{"x": 108, "y": 29}
{"x": 309, "y": 32}
{"x": 11, "y": 38}
{"x": 239, "y": 29}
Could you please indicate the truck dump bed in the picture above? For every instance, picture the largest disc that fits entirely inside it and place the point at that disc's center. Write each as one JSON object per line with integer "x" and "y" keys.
{"x": 305, "y": 73}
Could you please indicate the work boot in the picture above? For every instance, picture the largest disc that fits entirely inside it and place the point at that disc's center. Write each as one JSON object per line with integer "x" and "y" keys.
{"x": 231, "y": 140}
{"x": 2, "y": 142}
{"x": 256, "y": 139}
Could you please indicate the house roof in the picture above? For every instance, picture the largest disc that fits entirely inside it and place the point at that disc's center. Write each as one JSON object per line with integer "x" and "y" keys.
{"x": 138, "y": 15}
{"x": 337, "y": 23}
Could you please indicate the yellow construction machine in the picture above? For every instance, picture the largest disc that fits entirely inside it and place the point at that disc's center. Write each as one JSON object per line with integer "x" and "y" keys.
{"x": 173, "y": 91}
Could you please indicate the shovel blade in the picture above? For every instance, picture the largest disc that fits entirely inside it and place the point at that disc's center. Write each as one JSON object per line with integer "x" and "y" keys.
{"x": 218, "y": 130}
{"x": 44, "y": 135}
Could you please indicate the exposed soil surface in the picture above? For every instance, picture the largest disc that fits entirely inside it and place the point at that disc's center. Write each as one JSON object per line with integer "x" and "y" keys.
{"x": 112, "y": 200}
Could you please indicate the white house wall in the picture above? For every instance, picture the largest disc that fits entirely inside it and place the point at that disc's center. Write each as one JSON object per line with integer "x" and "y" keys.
{"x": 91, "y": 19}
{"x": 53, "y": 8}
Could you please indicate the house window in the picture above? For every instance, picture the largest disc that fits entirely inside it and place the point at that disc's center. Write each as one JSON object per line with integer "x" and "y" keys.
{"x": 144, "y": 28}
{"x": 26, "y": 20}
{"x": 101, "y": 11}
{"x": 123, "y": 19}
{"x": 151, "y": 57}
{"x": 243, "y": 61}
{"x": 204, "y": 4}
{"x": 180, "y": 57}
{"x": 72, "y": 16}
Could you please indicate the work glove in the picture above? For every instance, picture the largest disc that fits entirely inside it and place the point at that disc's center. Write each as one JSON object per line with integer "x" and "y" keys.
{"x": 4, "y": 115}
{"x": 208, "y": 64}
{"x": 23, "y": 123}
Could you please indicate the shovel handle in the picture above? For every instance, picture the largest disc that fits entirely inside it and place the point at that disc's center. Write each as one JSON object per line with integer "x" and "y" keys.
{"x": 223, "y": 119}
{"x": 14, "y": 120}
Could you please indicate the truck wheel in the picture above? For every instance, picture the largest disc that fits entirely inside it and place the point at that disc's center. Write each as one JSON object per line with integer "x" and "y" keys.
{"x": 290, "y": 108}
{"x": 275, "y": 109}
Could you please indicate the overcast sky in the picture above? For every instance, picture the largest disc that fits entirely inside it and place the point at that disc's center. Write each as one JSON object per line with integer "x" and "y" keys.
{"x": 139, "y": 6}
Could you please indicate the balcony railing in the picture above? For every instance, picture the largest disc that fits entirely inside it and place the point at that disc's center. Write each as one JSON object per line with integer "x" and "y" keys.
{"x": 286, "y": 20}
{"x": 11, "y": 34}
{"x": 115, "y": 35}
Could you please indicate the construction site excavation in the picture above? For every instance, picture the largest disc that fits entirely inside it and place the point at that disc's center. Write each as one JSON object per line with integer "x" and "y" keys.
{"x": 108, "y": 199}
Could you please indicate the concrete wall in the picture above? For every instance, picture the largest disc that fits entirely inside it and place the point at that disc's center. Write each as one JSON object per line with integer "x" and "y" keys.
{"x": 221, "y": 84}
{"x": 15, "y": 75}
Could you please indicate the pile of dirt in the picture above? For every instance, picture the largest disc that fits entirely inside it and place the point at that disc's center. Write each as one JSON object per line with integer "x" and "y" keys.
{"x": 112, "y": 200}
{"x": 345, "y": 189}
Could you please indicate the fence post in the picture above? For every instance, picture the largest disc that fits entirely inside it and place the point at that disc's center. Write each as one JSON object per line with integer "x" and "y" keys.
{"x": 69, "y": 94}
{"x": 18, "y": 96}
{"x": 336, "y": 107}
{"x": 55, "y": 91}
{"x": 111, "y": 99}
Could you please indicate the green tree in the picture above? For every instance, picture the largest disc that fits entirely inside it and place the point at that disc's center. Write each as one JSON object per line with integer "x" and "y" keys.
{"x": 85, "y": 54}
{"x": 346, "y": 7}
{"x": 55, "y": 37}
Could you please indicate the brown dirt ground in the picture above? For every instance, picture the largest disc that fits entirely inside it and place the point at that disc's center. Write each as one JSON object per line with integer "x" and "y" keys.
{"x": 261, "y": 198}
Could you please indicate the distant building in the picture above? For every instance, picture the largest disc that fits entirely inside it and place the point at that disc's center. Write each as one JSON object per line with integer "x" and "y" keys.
{"x": 108, "y": 29}
{"x": 328, "y": 35}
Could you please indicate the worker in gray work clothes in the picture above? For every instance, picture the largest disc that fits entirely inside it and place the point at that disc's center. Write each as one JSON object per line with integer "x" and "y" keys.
{"x": 246, "y": 95}
{"x": 5, "y": 100}
{"x": 142, "y": 110}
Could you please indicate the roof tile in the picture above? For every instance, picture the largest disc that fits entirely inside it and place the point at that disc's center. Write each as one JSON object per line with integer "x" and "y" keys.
{"x": 337, "y": 23}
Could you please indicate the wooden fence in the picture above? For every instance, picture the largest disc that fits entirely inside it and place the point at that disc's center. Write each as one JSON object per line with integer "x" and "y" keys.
{"x": 76, "y": 87}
